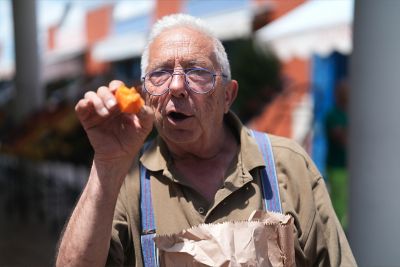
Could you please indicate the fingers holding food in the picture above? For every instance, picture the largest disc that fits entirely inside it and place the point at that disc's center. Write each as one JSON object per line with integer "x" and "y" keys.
{"x": 129, "y": 100}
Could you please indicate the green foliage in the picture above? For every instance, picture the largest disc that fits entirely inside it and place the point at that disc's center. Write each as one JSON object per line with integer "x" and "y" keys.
{"x": 258, "y": 75}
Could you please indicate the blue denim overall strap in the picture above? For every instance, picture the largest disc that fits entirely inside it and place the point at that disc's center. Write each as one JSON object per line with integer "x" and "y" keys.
{"x": 148, "y": 226}
{"x": 269, "y": 178}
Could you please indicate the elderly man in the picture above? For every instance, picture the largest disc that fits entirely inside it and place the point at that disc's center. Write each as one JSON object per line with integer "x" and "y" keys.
{"x": 202, "y": 168}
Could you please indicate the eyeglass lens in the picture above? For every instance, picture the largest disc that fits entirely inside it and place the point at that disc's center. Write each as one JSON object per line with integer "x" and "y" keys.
{"x": 198, "y": 80}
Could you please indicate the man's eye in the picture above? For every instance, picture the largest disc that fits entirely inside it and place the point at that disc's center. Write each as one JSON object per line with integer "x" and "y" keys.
{"x": 194, "y": 68}
{"x": 165, "y": 70}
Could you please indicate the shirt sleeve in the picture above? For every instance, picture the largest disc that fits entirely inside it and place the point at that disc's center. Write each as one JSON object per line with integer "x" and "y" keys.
{"x": 320, "y": 240}
{"x": 327, "y": 237}
{"x": 121, "y": 252}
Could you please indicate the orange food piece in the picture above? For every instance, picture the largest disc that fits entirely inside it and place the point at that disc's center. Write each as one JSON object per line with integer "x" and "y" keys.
{"x": 129, "y": 100}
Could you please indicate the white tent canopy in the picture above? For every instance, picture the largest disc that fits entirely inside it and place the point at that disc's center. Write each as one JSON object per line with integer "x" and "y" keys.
{"x": 119, "y": 47}
{"x": 231, "y": 25}
{"x": 315, "y": 27}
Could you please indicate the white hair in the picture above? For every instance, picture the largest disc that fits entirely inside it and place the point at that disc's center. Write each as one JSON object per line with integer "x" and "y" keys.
{"x": 184, "y": 20}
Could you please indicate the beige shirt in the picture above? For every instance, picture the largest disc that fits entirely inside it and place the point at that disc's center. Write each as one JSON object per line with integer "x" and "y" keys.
{"x": 319, "y": 238}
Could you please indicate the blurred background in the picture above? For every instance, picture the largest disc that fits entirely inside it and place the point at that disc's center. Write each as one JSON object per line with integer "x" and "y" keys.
{"x": 292, "y": 60}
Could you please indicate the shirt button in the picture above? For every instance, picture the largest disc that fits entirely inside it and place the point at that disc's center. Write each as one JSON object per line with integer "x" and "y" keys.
{"x": 201, "y": 210}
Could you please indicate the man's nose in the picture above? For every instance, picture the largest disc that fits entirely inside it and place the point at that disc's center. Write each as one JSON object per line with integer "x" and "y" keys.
{"x": 177, "y": 87}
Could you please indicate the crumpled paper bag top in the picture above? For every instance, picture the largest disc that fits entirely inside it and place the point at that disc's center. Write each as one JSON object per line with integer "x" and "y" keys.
{"x": 266, "y": 239}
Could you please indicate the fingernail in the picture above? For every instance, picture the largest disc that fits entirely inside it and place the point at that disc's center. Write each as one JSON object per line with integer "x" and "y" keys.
{"x": 111, "y": 103}
{"x": 104, "y": 111}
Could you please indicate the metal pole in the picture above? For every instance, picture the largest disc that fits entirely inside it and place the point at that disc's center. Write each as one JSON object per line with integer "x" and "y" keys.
{"x": 29, "y": 93}
{"x": 374, "y": 144}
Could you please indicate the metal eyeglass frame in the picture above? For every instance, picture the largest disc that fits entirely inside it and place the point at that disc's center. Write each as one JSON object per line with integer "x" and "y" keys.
{"x": 171, "y": 72}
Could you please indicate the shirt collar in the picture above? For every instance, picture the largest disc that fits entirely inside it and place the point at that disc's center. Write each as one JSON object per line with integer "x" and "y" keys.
{"x": 249, "y": 151}
{"x": 157, "y": 157}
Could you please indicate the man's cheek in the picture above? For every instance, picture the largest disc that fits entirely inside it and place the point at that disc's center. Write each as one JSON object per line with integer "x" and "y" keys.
{"x": 210, "y": 106}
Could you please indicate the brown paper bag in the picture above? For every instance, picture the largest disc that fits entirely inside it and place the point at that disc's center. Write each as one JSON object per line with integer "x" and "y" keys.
{"x": 265, "y": 240}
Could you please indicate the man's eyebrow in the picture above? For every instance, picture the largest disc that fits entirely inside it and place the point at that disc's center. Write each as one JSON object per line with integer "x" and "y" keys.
{"x": 169, "y": 64}
{"x": 197, "y": 63}
{"x": 161, "y": 64}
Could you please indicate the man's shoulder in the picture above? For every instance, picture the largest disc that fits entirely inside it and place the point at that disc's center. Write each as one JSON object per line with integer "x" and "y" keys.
{"x": 286, "y": 144}
{"x": 289, "y": 153}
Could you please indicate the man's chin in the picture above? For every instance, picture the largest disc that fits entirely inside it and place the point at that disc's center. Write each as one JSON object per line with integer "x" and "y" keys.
{"x": 179, "y": 137}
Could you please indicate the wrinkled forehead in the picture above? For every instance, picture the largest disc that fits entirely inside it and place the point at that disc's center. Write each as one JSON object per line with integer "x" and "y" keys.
{"x": 185, "y": 46}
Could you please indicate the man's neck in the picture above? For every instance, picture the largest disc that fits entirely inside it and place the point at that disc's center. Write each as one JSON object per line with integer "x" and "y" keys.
{"x": 206, "y": 148}
{"x": 205, "y": 171}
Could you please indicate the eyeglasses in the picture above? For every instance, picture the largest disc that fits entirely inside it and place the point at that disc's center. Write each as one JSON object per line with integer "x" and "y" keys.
{"x": 198, "y": 80}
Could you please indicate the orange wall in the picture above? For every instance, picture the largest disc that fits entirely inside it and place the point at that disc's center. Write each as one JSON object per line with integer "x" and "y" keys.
{"x": 98, "y": 23}
{"x": 51, "y": 37}
{"x": 297, "y": 70}
{"x": 166, "y": 7}
{"x": 98, "y": 27}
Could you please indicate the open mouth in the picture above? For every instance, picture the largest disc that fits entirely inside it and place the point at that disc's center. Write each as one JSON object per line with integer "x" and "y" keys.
{"x": 177, "y": 116}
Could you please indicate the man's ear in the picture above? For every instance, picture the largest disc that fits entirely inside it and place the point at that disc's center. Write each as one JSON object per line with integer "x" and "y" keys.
{"x": 231, "y": 92}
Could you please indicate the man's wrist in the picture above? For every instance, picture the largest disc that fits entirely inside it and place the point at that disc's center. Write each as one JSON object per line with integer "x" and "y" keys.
{"x": 109, "y": 175}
